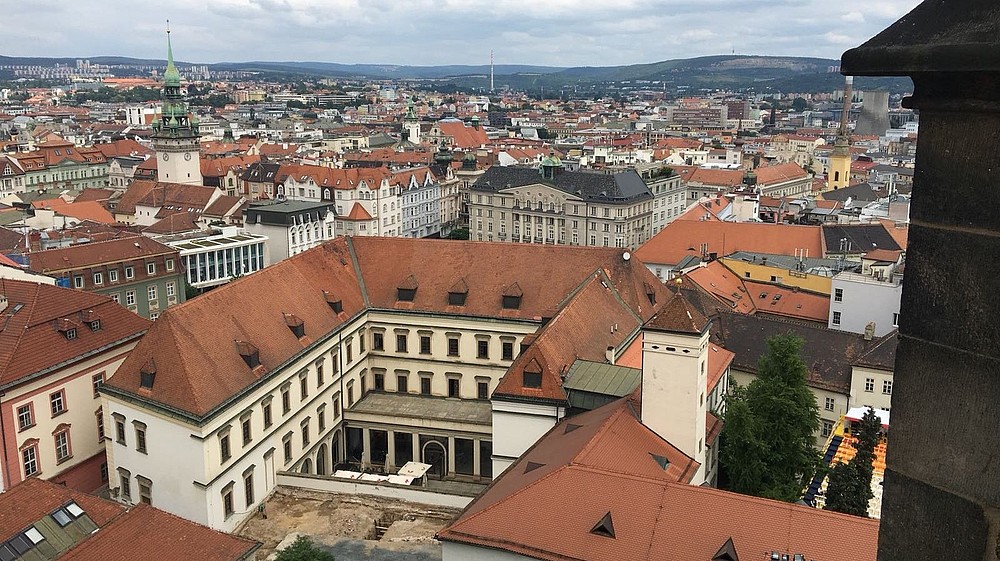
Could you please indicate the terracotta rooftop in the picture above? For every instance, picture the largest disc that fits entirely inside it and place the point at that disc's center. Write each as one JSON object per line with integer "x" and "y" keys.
{"x": 681, "y": 238}
{"x": 30, "y": 340}
{"x": 678, "y": 316}
{"x": 28, "y": 502}
{"x": 95, "y": 253}
{"x": 581, "y": 494}
{"x": 199, "y": 336}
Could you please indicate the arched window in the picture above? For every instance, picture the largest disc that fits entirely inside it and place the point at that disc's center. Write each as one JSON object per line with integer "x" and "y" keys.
{"x": 326, "y": 194}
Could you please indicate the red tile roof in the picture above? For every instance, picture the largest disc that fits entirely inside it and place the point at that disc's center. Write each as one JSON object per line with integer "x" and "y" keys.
{"x": 198, "y": 337}
{"x": 681, "y": 238}
{"x": 550, "y": 512}
{"x": 358, "y": 213}
{"x": 85, "y": 210}
{"x": 780, "y": 173}
{"x": 464, "y": 136}
{"x": 95, "y": 253}
{"x": 29, "y": 337}
{"x": 744, "y": 296}
{"x": 148, "y": 534}
{"x": 678, "y": 316}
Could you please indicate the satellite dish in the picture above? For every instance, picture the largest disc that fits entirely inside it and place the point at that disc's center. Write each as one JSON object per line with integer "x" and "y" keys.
{"x": 626, "y": 256}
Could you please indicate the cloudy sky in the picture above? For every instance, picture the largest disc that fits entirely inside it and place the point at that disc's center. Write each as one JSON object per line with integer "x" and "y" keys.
{"x": 430, "y": 32}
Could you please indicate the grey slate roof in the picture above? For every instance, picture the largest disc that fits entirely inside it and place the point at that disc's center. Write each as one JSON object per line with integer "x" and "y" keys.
{"x": 860, "y": 192}
{"x": 595, "y": 187}
{"x": 284, "y": 213}
{"x": 862, "y": 237}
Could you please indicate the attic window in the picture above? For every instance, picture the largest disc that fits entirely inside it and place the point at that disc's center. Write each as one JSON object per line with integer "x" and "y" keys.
{"x": 147, "y": 375}
{"x": 532, "y": 379}
{"x": 249, "y": 353}
{"x": 335, "y": 303}
{"x": 70, "y": 333}
{"x": 94, "y": 324}
{"x": 512, "y": 297}
{"x": 296, "y": 324}
{"x": 728, "y": 552}
{"x": 457, "y": 293}
{"x": 532, "y": 466}
{"x": 570, "y": 427}
{"x": 661, "y": 461}
{"x": 650, "y": 293}
{"x": 406, "y": 291}
{"x": 605, "y": 527}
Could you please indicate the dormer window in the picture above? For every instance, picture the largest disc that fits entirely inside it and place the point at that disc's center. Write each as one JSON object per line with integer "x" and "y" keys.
{"x": 605, "y": 527}
{"x": 532, "y": 375}
{"x": 147, "y": 375}
{"x": 70, "y": 333}
{"x": 94, "y": 325}
{"x": 457, "y": 293}
{"x": 512, "y": 297}
{"x": 336, "y": 304}
{"x": 296, "y": 324}
{"x": 407, "y": 290}
{"x": 650, "y": 293}
{"x": 249, "y": 353}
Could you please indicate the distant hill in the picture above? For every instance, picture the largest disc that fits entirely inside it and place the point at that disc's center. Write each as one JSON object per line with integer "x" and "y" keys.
{"x": 738, "y": 72}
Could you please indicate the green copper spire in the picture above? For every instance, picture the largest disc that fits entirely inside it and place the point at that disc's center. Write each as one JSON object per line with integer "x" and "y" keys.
{"x": 171, "y": 76}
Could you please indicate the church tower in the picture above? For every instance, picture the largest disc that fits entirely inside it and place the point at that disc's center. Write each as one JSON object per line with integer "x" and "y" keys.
{"x": 175, "y": 132}
{"x": 839, "y": 173}
{"x": 675, "y": 378}
{"x": 411, "y": 125}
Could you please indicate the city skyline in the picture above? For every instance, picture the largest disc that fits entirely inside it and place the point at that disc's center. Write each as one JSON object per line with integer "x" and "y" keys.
{"x": 560, "y": 33}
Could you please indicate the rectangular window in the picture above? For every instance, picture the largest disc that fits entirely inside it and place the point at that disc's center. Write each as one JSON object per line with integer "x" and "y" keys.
{"x": 57, "y": 401}
{"x": 401, "y": 382}
{"x": 453, "y": 387}
{"x": 248, "y": 487}
{"x": 507, "y": 350}
{"x": 827, "y": 428}
{"x": 125, "y": 482}
{"x": 78, "y": 281}
{"x": 113, "y": 275}
{"x": 130, "y": 298}
{"x": 150, "y": 268}
{"x": 303, "y": 387}
{"x": 305, "y": 432}
{"x": 829, "y": 404}
{"x": 286, "y": 447}
{"x": 129, "y": 272}
{"x": 151, "y": 292}
{"x": 425, "y": 385}
{"x": 100, "y": 426}
{"x": 29, "y": 458}
{"x": 869, "y": 384}
{"x": 350, "y": 353}
{"x": 401, "y": 342}
{"x": 378, "y": 341}
{"x": 98, "y": 278}
{"x": 96, "y": 381}
{"x": 838, "y": 294}
{"x": 170, "y": 264}
{"x": 224, "y": 450}
{"x": 425, "y": 344}
{"x": 140, "y": 436}
{"x": 887, "y": 387}
{"x": 482, "y": 349}
{"x": 246, "y": 430}
{"x": 227, "y": 501}
{"x": 25, "y": 418}
{"x": 320, "y": 379}
{"x": 321, "y": 418}
{"x": 266, "y": 410}
{"x": 62, "y": 446}
{"x": 836, "y": 318}
{"x": 452, "y": 346}
{"x": 895, "y": 319}
{"x": 336, "y": 407}
{"x": 482, "y": 389}
{"x": 171, "y": 289}
{"x": 379, "y": 381}
{"x": 286, "y": 401}
{"x": 120, "y": 430}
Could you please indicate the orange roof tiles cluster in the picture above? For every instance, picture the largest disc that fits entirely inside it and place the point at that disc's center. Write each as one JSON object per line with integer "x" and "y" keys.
{"x": 463, "y": 136}
{"x": 367, "y": 272}
{"x": 626, "y": 506}
{"x": 83, "y": 210}
{"x": 681, "y": 238}
{"x": 30, "y": 341}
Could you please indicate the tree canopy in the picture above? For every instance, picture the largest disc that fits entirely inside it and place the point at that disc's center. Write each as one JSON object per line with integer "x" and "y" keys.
{"x": 768, "y": 444}
{"x": 850, "y": 486}
{"x": 303, "y": 549}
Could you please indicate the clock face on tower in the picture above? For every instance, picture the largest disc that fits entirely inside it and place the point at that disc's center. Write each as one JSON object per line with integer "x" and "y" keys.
{"x": 166, "y": 156}
{"x": 187, "y": 155}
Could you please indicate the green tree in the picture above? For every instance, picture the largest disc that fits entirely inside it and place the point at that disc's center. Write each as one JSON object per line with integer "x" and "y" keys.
{"x": 799, "y": 104}
{"x": 850, "y": 485}
{"x": 768, "y": 438}
{"x": 303, "y": 549}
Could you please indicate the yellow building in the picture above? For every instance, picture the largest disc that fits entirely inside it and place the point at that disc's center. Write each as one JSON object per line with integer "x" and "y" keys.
{"x": 758, "y": 268}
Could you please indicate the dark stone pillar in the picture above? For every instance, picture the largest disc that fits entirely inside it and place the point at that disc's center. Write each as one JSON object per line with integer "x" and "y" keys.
{"x": 942, "y": 482}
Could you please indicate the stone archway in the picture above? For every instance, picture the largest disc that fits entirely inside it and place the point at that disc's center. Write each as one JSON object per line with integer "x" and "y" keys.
{"x": 435, "y": 454}
{"x": 306, "y": 466}
{"x": 335, "y": 448}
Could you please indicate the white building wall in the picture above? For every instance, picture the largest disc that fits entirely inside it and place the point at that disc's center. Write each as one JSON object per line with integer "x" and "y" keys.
{"x": 516, "y": 427}
{"x": 871, "y": 387}
{"x": 863, "y": 299}
{"x": 451, "y": 551}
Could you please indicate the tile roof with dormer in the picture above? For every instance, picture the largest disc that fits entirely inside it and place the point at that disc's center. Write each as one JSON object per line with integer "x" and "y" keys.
{"x": 193, "y": 344}
{"x": 589, "y": 186}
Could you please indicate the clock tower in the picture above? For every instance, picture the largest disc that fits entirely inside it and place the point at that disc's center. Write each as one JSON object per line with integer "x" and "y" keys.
{"x": 175, "y": 132}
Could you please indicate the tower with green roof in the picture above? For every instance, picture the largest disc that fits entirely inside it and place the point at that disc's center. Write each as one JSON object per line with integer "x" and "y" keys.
{"x": 411, "y": 124}
{"x": 175, "y": 131}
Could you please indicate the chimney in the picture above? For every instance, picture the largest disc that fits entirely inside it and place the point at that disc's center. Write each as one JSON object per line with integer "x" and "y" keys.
{"x": 3, "y": 302}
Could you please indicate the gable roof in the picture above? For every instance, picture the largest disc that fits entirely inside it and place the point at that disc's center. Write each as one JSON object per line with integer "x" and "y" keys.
{"x": 84, "y": 210}
{"x": 861, "y": 237}
{"x": 30, "y": 337}
{"x": 31, "y": 500}
{"x": 96, "y": 253}
{"x": 462, "y": 135}
{"x": 655, "y": 514}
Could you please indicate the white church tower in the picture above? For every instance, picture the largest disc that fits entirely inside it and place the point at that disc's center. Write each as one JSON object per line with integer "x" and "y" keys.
{"x": 175, "y": 133}
{"x": 411, "y": 124}
{"x": 675, "y": 376}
